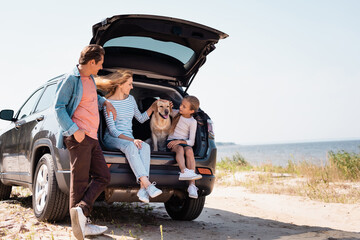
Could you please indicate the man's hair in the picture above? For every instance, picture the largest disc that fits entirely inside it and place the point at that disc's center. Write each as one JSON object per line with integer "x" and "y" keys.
{"x": 91, "y": 52}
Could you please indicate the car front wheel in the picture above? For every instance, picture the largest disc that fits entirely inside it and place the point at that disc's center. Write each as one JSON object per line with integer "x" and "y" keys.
{"x": 49, "y": 202}
{"x": 184, "y": 209}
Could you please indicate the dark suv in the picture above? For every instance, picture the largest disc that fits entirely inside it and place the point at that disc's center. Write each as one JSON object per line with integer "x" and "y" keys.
{"x": 164, "y": 54}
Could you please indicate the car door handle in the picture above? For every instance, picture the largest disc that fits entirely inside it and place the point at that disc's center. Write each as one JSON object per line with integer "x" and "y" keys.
{"x": 39, "y": 119}
{"x": 18, "y": 125}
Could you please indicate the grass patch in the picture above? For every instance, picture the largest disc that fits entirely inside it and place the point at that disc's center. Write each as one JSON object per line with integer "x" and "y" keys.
{"x": 348, "y": 164}
{"x": 338, "y": 180}
{"x": 228, "y": 167}
{"x": 233, "y": 164}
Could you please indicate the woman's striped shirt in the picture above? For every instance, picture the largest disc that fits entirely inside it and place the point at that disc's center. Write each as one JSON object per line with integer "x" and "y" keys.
{"x": 126, "y": 110}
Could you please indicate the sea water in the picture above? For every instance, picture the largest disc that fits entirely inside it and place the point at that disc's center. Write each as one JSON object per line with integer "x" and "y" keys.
{"x": 280, "y": 154}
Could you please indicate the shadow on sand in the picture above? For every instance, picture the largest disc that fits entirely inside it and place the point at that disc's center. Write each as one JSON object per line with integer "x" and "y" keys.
{"x": 143, "y": 221}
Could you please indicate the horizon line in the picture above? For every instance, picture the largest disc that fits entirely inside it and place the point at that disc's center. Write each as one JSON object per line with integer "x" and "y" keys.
{"x": 294, "y": 141}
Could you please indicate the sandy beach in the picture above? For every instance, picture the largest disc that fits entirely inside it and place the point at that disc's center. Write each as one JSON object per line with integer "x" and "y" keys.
{"x": 229, "y": 213}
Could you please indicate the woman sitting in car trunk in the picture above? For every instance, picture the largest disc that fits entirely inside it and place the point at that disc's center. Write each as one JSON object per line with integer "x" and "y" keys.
{"x": 119, "y": 135}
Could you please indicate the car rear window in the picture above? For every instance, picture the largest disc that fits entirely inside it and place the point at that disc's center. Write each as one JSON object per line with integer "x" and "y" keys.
{"x": 171, "y": 49}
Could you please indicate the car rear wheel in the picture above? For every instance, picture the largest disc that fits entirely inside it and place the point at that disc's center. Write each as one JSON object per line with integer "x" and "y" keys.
{"x": 186, "y": 209}
{"x": 49, "y": 203}
{"x": 5, "y": 191}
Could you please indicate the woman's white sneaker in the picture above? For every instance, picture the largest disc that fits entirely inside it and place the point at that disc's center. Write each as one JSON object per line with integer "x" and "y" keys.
{"x": 153, "y": 191}
{"x": 193, "y": 191}
{"x": 143, "y": 195}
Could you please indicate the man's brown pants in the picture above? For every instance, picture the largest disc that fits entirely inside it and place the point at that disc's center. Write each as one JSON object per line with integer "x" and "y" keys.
{"x": 89, "y": 172}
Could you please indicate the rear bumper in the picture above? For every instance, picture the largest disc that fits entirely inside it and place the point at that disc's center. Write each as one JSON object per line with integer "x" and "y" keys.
{"x": 127, "y": 192}
{"x": 165, "y": 179}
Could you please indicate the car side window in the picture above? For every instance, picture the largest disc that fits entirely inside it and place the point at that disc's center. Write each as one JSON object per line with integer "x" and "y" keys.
{"x": 29, "y": 105}
{"x": 47, "y": 98}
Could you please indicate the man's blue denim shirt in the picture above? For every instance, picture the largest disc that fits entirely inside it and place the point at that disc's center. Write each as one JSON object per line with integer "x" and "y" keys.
{"x": 68, "y": 98}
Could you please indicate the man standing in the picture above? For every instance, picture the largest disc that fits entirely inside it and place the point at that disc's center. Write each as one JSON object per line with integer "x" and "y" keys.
{"x": 77, "y": 110}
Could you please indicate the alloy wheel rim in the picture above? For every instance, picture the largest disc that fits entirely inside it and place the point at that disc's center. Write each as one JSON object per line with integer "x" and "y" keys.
{"x": 41, "y": 188}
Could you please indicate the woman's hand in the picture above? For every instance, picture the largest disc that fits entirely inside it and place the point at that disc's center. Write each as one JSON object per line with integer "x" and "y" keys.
{"x": 154, "y": 106}
{"x": 110, "y": 108}
{"x": 174, "y": 143}
{"x": 138, "y": 143}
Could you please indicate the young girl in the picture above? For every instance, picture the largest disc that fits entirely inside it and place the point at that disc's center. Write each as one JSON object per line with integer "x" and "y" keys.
{"x": 118, "y": 134}
{"x": 181, "y": 140}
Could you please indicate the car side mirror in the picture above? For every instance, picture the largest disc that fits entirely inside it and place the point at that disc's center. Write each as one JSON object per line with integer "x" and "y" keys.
{"x": 7, "y": 115}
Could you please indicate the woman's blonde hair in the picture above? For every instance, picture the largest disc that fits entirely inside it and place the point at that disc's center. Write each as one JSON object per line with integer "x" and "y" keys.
{"x": 194, "y": 105}
{"x": 110, "y": 82}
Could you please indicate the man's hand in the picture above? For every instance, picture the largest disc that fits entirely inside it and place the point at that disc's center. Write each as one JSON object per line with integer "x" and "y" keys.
{"x": 79, "y": 135}
{"x": 110, "y": 108}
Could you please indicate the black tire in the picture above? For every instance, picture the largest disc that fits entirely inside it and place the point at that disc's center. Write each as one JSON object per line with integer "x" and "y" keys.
{"x": 5, "y": 191}
{"x": 49, "y": 202}
{"x": 186, "y": 209}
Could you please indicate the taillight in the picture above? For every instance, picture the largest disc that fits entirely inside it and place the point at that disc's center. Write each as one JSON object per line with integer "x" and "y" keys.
{"x": 210, "y": 129}
{"x": 204, "y": 171}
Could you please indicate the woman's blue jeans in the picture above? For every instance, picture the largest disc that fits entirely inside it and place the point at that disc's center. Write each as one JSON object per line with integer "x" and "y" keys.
{"x": 139, "y": 159}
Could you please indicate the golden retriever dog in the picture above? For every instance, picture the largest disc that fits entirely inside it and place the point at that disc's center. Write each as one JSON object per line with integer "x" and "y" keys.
{"x": 160, "y": 125}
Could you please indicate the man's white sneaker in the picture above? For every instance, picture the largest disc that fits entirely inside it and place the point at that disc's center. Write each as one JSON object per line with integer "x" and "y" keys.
{"x": 78, "y": 221}
{"x": 153, "y": 191}
{"x": 93, "y": 230}
{"x": 143, "y": 195}
{"x": 192, "y": 190}
{"x": 189, "y": 174}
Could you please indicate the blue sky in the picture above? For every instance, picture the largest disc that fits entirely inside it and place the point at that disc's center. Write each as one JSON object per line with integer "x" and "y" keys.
{"x": 288, "y": 72}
